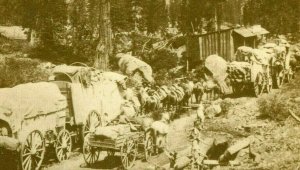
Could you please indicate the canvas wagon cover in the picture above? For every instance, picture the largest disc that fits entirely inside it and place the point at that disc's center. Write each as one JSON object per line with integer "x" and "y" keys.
{"x": 102, "y": 96}
{"x": 218, "y": 67}
{"x": 27, "y": 101}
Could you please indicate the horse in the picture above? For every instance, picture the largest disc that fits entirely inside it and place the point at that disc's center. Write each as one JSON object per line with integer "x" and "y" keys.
{"x": 188, "y": 87}
{"x": 211, "y": 89}
{"x": 198, "y": 91}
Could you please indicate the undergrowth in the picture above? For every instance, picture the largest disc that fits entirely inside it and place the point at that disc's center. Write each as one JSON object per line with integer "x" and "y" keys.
{"x": 16, "y": 71}
{"x": 274, "y": 107}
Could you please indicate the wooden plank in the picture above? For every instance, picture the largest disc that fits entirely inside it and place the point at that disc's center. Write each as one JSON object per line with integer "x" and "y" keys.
{"x": 228, "y": 57}
{"x": 210, "y": 44}
{"x": 222, "y": 43}
{"x": 200, "y": 48}
{"x": 217, "y": 43}
{"x": 204, "y": 47}
{"x": 214, "y": 43}
{"x": 211, "y": 162}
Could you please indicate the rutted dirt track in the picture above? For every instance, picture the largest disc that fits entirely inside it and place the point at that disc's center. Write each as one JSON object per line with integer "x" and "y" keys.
{"x": 276, "y": 143}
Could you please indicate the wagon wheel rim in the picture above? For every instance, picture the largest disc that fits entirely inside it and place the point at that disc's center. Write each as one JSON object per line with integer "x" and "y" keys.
{"x": 288, "y": 78}
{"x": 279, "y": 81}
{"x": 128, "y": 153}
{"x": 90, "y": 154}
{"x": 33, "y": 151}
{"x": 93, "y": 121}
{"x": 149, "y": 148}
{"x": 63, "y": 145}
{"x": 269, "y": 85}
{"x": 257, "y": 85}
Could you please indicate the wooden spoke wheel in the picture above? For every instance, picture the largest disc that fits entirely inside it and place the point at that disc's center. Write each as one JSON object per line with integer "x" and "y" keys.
{"x": 149, "y": 147}
{"x": 110, "y": 153}
{"x": 257, "y": 85}
{"x": 128, "y": 153}
{"x": 90, "y": 153}
{"x": 33, "y": 151}
{"x": 93, "y": 121}
{"x": 288, "y": 76}
{"x": 279, "y": 80}
{"x": 63, "y": 145}
{"x": 269, "y": 85}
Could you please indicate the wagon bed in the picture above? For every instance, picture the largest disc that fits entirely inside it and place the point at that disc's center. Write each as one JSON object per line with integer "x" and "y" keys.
{"x": 106, "y": 143}
{"x": 129, "y": 145}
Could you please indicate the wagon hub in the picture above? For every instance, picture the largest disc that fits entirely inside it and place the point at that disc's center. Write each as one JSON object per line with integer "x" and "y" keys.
{"x": 33, "y": 151}
{"x": 64, "y": 144}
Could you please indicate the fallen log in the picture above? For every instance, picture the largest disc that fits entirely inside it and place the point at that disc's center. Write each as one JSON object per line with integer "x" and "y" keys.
{"x": 216, "y": 162}
{"x": 234, "y": 149}
{"x": 294, "y": 115}
{"x": 182, "y": 162}
{"x": 9, "y": 143}
{"x": 211, "y": 162}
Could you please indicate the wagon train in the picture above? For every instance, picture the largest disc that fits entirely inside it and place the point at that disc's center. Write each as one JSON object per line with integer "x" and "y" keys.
{"x": 34, "y": 115}
{"x": 52, "y": 114}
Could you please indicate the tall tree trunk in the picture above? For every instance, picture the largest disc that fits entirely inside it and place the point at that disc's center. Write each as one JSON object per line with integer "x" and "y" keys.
{"x": 151, "y": 6}
{"x": 104, "y": 47}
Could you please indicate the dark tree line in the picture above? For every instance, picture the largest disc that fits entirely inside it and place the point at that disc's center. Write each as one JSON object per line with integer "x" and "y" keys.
{"x": 278, "y": 16}
{"x": 85, "y": 29}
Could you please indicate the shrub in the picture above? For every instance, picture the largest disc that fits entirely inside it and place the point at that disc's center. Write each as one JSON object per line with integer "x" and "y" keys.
{"x": 16, "y": 71}
{"x": 226, "y": 105}
{"x": 8, "y": 46}
{"x": 274, "y": 107}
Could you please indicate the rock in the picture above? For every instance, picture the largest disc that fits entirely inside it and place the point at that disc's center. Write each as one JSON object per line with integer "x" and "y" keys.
{"x": 221, "y": 140}
{"x": 243, "y": 155}
{"x": 297, "y": 99}
{"x": 182, "y": 162}
{"x": 213, "y": 110}
{"x": 235, "y": 148}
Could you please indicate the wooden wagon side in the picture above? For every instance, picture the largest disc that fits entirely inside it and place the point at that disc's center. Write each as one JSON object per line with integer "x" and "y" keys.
{"x": 127, "y": 145}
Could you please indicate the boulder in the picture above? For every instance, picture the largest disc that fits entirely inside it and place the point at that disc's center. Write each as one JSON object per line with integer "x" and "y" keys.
{"x": 213, "y": 110}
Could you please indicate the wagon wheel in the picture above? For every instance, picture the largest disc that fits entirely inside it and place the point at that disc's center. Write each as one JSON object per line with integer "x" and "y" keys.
{"x": 128, "y": 153}
{"x": 289, "y": 75}
{"x": 257, "y": 85}
{"x": 90, "y": 153}
{"x": 149, "y": 147}
{"x": 279, "y": 80}
{"x": 63, "y": 145}
{"x": 269, "y": 85}
{"x": 33, "y": 151}
{"x": 93, "y": 121}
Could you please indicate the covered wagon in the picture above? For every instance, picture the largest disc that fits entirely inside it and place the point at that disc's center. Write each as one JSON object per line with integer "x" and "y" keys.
{"x": 252, "y": 73}
{"x": 30, "y": 114}
{"x": 280, "y": 63}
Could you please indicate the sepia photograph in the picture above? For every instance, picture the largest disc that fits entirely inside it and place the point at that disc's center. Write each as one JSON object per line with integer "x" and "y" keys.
{"x": 149, "y": 84}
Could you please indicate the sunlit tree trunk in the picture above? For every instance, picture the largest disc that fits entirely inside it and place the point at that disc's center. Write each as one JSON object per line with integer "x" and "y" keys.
{"x": 104, "y": 47}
